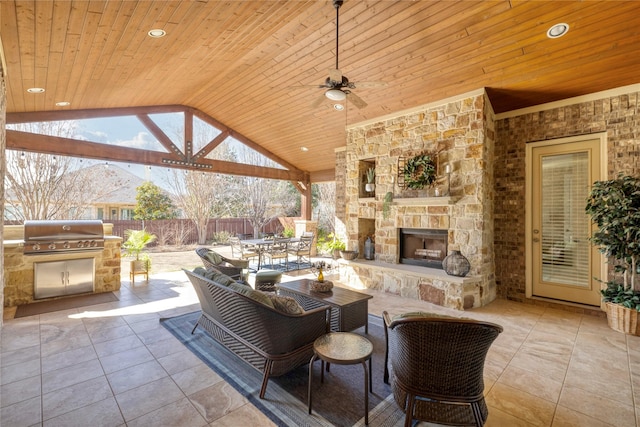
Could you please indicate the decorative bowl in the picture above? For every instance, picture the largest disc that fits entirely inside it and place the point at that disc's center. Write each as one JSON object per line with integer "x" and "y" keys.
{"x": 349, "y": 255}
{"x": 325, "y": 286}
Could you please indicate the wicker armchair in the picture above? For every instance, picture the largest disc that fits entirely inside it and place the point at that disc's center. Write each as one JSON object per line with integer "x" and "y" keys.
{"x": 437, "y": 366}
{"x": 235, "y": 268}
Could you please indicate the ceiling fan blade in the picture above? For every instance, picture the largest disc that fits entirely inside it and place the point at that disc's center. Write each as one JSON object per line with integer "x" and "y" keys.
{"x": 365, "y": 85}
{"x": 335, "y": 75}
{"x": 356, "y": 100}
{"x": 318, "y": 101}
{"x": 307, "y": 86}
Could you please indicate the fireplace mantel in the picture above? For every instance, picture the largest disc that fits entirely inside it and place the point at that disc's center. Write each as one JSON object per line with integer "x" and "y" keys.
{"x": 425, "y": 201}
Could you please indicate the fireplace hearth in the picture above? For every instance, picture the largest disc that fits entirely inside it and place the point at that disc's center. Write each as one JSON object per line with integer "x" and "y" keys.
{"x": 423, "y": 247}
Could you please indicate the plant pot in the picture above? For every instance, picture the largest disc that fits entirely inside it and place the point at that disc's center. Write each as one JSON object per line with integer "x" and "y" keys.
{"x": 369, "y": 187}
{"x": 622, "y": 319}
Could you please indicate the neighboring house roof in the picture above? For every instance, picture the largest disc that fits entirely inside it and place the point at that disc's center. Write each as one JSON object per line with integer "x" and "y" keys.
{"x": 122, "y": 182}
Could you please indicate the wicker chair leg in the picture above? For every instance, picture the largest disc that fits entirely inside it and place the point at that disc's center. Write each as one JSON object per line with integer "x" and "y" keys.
{"x": 196, "y": 325}
{"x": 265, "y": 378}
{"x": 408, "y": 417}
{"x": 477, "y": 414}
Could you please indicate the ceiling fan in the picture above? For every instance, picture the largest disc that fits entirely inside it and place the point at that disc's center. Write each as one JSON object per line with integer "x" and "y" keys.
{"x": 338, "y": 86}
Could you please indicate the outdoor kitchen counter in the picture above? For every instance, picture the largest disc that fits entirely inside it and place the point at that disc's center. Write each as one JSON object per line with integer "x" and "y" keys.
{"x": 19, "y": 268}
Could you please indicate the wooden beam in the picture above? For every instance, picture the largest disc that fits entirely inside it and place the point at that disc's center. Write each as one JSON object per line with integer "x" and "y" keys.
{"x": 211, "y": 145}
{"x": 25, "y": 141}
{"x": 189, "y": 112}
{"x": 161, "y": 136}
{"x": 327, "y": 175}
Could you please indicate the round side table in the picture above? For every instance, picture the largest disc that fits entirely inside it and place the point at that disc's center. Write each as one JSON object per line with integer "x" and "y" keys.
{"x": 343, "y": 348}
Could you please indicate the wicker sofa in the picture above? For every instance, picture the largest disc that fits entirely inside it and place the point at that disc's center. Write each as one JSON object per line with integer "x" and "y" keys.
{"x": 255, "y": 326}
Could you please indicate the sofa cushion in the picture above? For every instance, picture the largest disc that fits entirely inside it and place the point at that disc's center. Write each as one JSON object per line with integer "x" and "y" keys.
{"x": 214, "y": 275}
{"x": 248, "y": 291}
{"x": 284, "y": 304}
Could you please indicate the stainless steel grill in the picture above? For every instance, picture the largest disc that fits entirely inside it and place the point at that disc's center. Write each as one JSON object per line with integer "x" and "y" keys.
{"x": 41, "y": 237}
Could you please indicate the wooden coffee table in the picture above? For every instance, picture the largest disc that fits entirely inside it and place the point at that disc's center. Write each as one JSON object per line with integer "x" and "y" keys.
{"x": 349, "y": 309}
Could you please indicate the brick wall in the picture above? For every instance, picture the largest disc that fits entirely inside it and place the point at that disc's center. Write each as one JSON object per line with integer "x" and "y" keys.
{"x": 618, "y": 116}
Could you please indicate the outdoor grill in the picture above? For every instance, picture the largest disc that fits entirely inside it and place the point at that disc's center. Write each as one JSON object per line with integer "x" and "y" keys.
{"x": 42, "y": 237}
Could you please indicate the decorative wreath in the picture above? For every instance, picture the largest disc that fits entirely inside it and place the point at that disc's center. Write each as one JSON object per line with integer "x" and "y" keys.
{"x": 419, "y": 171}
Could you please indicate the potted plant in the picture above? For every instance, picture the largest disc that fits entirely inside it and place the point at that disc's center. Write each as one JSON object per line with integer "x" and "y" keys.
{"x": 333, "y": 245}
{"x": 614, "y": 206}
{"x": 137, "y": 241}
{"x": 370, "y": 186}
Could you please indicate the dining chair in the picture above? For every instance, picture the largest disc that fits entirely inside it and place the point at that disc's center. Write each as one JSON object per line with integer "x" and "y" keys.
{"x": 278, "y": 250}
{"x": 302, "y": 249}
{"x": 437, "y": 365}
{"x": 238, "y": 250}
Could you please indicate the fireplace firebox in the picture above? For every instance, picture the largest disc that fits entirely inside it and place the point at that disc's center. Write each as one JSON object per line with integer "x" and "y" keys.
{"x": 424, "y": 247}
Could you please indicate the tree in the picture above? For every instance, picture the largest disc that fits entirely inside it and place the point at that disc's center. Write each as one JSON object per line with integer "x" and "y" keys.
{"x": 264, "y": 199}
{"x": 153, "y": 203}
{"x": 42, "y": 186}
{"x": 202, "y": 196}
{"x": 324, "y": 205}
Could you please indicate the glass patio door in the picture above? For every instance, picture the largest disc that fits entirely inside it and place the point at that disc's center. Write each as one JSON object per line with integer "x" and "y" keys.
{"x": 564, "y": 262}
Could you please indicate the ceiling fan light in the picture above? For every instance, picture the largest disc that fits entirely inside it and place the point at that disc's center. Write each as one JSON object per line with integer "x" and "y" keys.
{"x": 335, "y": 95}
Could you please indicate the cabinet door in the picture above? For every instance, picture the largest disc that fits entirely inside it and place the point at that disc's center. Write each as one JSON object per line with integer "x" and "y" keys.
{"x": 80, "y": 276}
{"x": 50, "y": 279}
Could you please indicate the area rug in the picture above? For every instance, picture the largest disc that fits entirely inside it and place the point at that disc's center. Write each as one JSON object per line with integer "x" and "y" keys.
{"x": 291, "y": 266}
{"x": 339, "y": 401}
{"x": 66, "y": 303}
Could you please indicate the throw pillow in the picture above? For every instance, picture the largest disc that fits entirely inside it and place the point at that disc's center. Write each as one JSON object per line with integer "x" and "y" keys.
{"x": 248, "y": 291}
{"x": 218, "y": 277}
{"x": 286, "y": 305}
{"x": 213, "y": 257}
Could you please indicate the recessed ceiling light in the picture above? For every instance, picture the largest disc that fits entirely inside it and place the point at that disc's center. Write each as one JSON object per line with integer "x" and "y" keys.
{"x": 338, "y": 107}
{"x": 557, "y": 30}
{"x": 35, "y": 90}
{"x": 304, "y": 149}
{"x": 63, "y": 103}
{"x": 157, "y": 33}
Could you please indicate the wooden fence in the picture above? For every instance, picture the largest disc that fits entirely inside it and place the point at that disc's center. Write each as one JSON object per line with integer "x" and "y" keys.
{"x": 178, "y": 232}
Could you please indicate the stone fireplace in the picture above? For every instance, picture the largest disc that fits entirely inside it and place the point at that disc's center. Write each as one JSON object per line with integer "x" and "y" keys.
{"x": 423, "y": 247}
{"x": 457, "y": 134}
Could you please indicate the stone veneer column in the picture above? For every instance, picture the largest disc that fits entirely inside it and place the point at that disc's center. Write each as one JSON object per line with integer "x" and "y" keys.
{"x": 461, "y": 132}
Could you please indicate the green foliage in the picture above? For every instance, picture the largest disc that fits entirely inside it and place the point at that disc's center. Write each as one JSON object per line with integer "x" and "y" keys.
{"x": 617, "y": 294}
{"x": 153, "y": 203}
{"x": 419, "y": 171}
{"x": 137, "y": 241}
{"x": 330, "y": 243}
{"x": 371, "y": 175}
{"x": 221, "y": 237}
{"x": 288, "y": 232}
{"x": 614, "y": 206}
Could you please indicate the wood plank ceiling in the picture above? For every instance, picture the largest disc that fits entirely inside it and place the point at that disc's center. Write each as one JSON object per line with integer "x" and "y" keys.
{"x": 252, "y": 65}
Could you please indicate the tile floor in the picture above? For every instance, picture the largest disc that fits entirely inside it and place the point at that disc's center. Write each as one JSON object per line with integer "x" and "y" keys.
{"x": 114, "y": 365}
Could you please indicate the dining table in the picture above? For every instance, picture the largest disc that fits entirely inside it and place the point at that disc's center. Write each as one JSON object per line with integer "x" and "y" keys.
{"x": 262, "y": 245}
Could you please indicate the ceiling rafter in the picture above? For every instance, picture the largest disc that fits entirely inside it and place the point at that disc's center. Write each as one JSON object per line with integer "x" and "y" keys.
{"x": 174, "y": 157}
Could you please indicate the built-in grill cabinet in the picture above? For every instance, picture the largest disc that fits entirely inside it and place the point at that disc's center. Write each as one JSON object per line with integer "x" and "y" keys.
{"x": 60, "y": 278}
{"x": 45, "y": 237}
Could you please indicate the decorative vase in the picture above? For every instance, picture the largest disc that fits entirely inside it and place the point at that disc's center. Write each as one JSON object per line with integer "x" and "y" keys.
{"x": 456, "y": 264}
{"x": 369, "y": 187}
